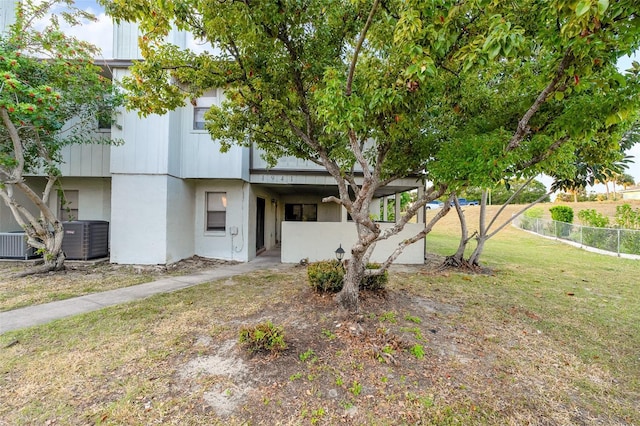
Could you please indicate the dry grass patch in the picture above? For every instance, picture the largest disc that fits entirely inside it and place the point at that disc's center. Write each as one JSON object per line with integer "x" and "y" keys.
{"x": 80, "y": 278}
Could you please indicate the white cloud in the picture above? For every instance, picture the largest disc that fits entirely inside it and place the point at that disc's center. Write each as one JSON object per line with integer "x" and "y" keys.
{"x": 98, "y": 33}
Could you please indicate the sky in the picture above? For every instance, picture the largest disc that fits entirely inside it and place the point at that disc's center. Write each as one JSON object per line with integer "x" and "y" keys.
{"x": 100, "y": 34}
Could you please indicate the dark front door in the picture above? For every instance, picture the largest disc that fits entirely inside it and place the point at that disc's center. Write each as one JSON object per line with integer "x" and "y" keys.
{"x": 260, "y": 223}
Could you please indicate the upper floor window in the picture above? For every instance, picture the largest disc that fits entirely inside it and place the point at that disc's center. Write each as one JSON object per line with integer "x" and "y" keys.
{"x": 201, "y": 105}
{"x": 68, "y": 205}
{"x": 216, "y": 211}
{"x": 301, "y": 212}
{"x": 198, "y": 117}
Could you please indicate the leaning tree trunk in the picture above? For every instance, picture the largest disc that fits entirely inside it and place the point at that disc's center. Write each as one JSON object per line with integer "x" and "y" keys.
{"x": 457, "y": 260}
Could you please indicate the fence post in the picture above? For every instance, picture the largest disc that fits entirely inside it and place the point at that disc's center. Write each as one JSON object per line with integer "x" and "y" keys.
{"x": 581, "y": 228}
{"x": 618, "y": 242}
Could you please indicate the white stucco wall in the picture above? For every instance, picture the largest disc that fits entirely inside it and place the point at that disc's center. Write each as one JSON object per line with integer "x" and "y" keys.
{"x": 7, "y": 221}
{"x": 139, "y": 219}
{"x": 94, "y": 197}
{"x": 631, "y": 195}
{"x": 319, "y": 241}
{"x": 222, "y": 244}
{"x": 94, "y": 200}
{"x": 180, "y": 214}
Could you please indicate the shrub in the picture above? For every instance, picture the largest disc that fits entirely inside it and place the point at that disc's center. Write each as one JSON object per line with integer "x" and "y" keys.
{"x": 627, "y": 218}
{"x": 326, "y": 276}
{"x": 590, "y": 217}
{"x": 562, "y": 214}
{"x": 374, "y": 282}
{"x": 263, "y": 337}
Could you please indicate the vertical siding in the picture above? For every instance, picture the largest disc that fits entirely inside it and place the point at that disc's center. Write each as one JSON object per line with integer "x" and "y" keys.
{"x": 201, "y": 156}
{"x": 125, "y": 40}
{"x": 284, "y": 163}
{"x": 146, "y": 142}
{"x": 7, "y": 15}
{"x": 86, "y": 160}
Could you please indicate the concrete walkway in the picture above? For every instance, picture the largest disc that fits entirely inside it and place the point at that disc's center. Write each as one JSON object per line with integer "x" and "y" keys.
{"x": 41, "y": 314}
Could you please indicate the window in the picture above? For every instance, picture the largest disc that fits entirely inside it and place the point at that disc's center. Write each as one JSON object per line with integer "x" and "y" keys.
{"x": 201, "y": 105}
{"x": 68, "y": 205}
{"x": 301, "y": 212}
{"x": 104, "y": 123}
{"x": 198, "y": 117}
{"x": 216, "y": 211}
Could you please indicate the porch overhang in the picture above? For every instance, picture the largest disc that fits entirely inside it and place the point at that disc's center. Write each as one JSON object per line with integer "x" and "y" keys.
{"x": 295, "y": 182}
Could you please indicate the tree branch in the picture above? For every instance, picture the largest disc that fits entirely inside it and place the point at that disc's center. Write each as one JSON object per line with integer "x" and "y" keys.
{"x": 354, "y": 60}
{"x": 523, "y": 124}
{"x": 18, "y": 151}
{"x": 406, "y": 242}
{"x": 508, "y": 221}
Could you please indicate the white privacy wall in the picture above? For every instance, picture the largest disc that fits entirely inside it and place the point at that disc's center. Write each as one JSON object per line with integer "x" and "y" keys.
{"x": 319, "y": 241}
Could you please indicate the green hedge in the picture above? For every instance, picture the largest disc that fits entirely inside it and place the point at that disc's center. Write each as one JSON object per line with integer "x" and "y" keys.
{"x": 562, "y": 214}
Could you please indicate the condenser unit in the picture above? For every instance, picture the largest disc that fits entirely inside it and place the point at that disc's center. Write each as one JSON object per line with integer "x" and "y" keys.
{"x": 13, "y": 245}
{"x": 85, "y": 239}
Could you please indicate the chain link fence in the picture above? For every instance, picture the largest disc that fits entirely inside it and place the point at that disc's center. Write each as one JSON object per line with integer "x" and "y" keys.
{"x": 614, "y": 240}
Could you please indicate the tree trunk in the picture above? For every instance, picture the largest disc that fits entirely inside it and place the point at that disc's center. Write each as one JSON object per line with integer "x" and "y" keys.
{"x": 457, "y": 259}
{"x": 348, "y": 296}
{"x": 54, "y": 256}
{"x": 474, "y": 259}
{"x": 44, "y": 231}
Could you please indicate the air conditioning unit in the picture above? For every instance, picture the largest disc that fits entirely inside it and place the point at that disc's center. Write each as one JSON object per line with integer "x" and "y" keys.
{"x": 85, "y": 239}
{"x": 13, "y": 245}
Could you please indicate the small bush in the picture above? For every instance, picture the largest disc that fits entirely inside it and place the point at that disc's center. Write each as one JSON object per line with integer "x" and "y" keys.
{"x": 374, "y": 282}
{"x": 264, "y": 337}
{"x": 627, "y": 218}
{"x": 326, "y": 276}
{"x": 590, "y": 217}
{"x": 562, "y": 214}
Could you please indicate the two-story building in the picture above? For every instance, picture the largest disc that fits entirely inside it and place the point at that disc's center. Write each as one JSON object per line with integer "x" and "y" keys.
{"x": 169, "y": 193}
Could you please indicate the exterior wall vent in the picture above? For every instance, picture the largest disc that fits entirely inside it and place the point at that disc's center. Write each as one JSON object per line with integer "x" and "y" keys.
{"x": 13, "y": 245}
{"x": 85, "y": 239}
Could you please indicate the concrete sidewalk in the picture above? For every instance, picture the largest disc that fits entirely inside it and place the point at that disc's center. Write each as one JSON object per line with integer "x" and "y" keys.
{"x": 41, "y": 314}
